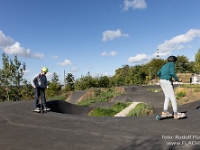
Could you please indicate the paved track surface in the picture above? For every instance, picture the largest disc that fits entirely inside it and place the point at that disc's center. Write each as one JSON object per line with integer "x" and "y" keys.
{"x": 76, "y": 96}
{"x": 21, "y": 129}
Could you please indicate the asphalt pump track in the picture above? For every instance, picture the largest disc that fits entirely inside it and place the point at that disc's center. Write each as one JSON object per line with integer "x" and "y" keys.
{"x": 67, "y": 127}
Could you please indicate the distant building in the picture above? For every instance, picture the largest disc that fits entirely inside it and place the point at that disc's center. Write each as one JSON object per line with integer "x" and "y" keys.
{"x": 195, "y": 79}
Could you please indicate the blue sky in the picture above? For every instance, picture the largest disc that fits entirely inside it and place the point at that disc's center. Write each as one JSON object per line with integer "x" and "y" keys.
{"x": 96, "y": 36}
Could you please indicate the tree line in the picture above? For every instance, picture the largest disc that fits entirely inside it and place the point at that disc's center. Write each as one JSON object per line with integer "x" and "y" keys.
{"x": 14, "y": 87}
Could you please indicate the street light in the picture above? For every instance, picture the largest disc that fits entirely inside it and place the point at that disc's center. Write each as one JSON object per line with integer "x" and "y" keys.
{"x": 150, "y": 73}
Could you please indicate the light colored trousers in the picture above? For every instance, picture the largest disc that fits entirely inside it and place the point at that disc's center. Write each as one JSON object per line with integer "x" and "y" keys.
{"x": 168, "y": 90}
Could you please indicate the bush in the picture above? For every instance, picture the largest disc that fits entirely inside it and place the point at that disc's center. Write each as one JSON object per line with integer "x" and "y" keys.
{"x": 180, "y": 93}
{"x": 116, "y": 108}
{"x": 101, "y": 95}
{"x": 141, "y": 110}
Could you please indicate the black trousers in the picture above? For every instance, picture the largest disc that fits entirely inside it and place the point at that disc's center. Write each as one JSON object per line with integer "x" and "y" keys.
{"x": 39, "y": 92}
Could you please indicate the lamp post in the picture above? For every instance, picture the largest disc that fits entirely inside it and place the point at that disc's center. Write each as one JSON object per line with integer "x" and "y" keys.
{"x": 150, "y": 73}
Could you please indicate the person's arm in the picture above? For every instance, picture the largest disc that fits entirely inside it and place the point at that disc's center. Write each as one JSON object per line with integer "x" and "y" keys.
{"x": 34, "y": 80}
{"x": 159, "y": 73}
{"x": 46, "y": 83}
{"x": 172, "y": 72}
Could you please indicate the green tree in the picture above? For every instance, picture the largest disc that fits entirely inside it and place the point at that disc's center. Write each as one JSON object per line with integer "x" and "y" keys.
{"x": 152, "y": 67}
{"x": 95, "y": 81}
{"x": 182, "y": 64}
{"x": 121, "y": 75}
{"x": 104, "y": 81}
{"x": 111, "y": 81}
{"x": 11, "y": 77}
{"x": 27, "y": 90}
{"x": 138, "y": 75}
{"x": 54, "y": 86}
{"x": 70, "y": 82}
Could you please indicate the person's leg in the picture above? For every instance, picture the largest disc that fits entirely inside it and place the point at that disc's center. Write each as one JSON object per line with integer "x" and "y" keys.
{"x": 43, "y": 101}
{"x": 164, "y": 86}
{"x": 169, "y": 91}
{"x": 36, "y": 97}
{"x": 173, "y": 99}
{"x": 43, "y": 98}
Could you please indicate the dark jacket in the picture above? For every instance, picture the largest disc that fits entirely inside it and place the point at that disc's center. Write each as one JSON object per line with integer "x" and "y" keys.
{"x": 39, "y": 81}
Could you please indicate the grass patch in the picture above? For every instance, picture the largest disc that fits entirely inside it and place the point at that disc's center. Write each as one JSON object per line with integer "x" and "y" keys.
{"x": 90, "y": 101}
{"x": 196, "y": 87}
{"x": 57, "y": 97}
{"x": 100, "y": 96}
{"x": 116, "y": 108}
{"x": 180, "y": 93}
{"x": 141, "y": 109}
{"x": 187, "y": 93}
{"x": 190, "y": 85}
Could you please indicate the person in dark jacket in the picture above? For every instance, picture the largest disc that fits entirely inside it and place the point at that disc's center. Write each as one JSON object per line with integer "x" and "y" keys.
{"x": 39, "y": 83}
{"x": 166, "y": 73}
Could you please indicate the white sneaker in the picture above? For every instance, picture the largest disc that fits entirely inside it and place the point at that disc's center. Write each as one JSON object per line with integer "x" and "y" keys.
{"x": 166, "y": 114}
{"x": 47, "y": 109}
{"x": 36, "y": 109}
{"x": 179, "y": 115}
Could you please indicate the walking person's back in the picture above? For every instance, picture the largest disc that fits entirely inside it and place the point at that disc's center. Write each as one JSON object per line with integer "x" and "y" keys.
{"x": 166, "y": 73}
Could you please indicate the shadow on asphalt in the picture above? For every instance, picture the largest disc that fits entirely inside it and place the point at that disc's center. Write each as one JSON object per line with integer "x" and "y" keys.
{"x": 60, "y": 106}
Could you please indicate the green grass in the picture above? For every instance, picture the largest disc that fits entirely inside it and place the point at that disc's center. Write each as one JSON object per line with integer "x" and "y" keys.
{"x": 57, "y": 97}
{"x": 101, "y": 96}
{"x": 90, "y": 101}
{"x": 190, "y": 85}
{"x": 180, "y": 95}
{"x": 116, "y": 108}
{"x": 141, "y": 109}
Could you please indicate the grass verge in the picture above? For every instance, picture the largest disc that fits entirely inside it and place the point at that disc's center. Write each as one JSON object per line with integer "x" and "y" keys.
{"x": 57, "y": 97}
{"x": 141, "y": 109}
{"x": 116, "y": 108}
{"x": 187, "y": 93}
{"x": 100, "y": 96}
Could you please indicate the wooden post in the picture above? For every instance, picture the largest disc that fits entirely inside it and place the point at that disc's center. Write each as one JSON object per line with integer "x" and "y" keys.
{"x": 64, "y": 79}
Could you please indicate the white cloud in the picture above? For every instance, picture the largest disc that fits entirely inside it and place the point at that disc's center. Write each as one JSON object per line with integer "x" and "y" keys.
{"x": 5, "y": 40}
{"x": 112, "y": 53}
{"x": 165, "y": 49}
{"x": 110, "y": 35}
{"x": 135, "y": 4}
{"x": 139, "y": 58}
{"x": 106, "y": 74}
{"x": 9, "y": 46}
{"x": 49, "y": 75}
{"x": 75, "y": 69}
{"x": 54, "y": 57}
{"x": 26, "y": 73}
{"x": 66, "y": 62}
{"x": 177, "y": 42}
{"x": 97, "y": 74}
{"x": 38, "y": 55}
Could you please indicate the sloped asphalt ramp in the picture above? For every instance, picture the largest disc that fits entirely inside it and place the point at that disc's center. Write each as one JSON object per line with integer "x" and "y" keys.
{"x": 64, "y": 107}
{"x": 21, "y": 129}
{"x": 76, "y": 96}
